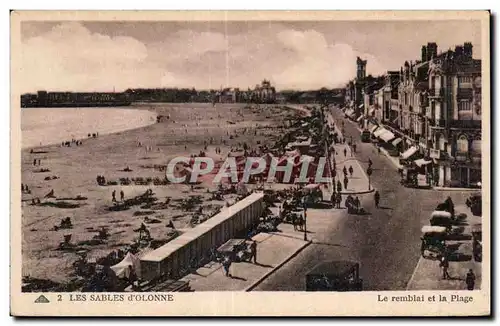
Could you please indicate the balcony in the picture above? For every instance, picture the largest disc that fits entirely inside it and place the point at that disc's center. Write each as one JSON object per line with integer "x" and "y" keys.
{"x": 465, "y": 124}
{"x": 436, "y": 93}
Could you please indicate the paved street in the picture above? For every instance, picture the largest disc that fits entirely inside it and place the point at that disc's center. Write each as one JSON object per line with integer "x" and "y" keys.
{"x": 386, "y": 242}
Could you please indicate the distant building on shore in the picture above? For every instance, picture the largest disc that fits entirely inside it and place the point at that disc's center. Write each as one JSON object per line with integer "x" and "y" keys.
{"x": 46, "y": 99}
{"x": 264, "y": 93}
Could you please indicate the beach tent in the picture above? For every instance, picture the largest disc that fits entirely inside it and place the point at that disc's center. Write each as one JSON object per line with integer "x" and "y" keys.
{"x": 122, "y": 269}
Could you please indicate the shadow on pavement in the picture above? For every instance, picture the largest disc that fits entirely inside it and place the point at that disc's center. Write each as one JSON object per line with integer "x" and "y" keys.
{"x": 328, "y": 244}
{"x": 384, "y": 207}
{"x": 263, "y": 265}
{"x": 237, "y": 278}
{"x": 459, "y": 257}
{"x": 459, "y": 237}
{"x": 321, "y": 205}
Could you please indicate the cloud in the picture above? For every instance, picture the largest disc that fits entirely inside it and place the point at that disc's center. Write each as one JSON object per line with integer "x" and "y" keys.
{"x": 71, "y": 57}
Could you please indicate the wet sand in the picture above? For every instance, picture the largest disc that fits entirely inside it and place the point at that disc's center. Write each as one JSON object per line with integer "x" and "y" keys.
{"x": 78, "y": 166}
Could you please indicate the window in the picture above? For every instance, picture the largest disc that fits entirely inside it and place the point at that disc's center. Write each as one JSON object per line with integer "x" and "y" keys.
{"x": 464, "y": 106}
{"x": 442, "y": 143}
{"x": 465, "y": 80}
{"x": 462, "y": 144}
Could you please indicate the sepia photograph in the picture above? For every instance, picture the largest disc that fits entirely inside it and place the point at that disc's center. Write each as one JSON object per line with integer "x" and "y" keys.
{"x": 160, "y": 158}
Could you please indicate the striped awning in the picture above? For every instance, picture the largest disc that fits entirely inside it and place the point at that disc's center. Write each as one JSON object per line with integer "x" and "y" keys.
{"x": 396, "y": 141}
{"x": 379, "y": 132}
{"x": 387, "y": 136}
{"x": 373, "y": 128}
{"x": 409, "y": 152}
{"x": 422, "y": 162}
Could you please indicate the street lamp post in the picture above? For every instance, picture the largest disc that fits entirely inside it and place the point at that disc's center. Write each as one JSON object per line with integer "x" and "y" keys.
{"x": 305, "y": 224}
{"x": 369, "y": 172}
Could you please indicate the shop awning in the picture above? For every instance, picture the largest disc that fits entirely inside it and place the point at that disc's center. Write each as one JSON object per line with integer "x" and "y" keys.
{"x": 409, "y": 152}
{"x": 387, "y": 136}
{"x": 422, "y": 162}
{"x": 373, "y": 128}
{"x": 359, "y": 118}
{"x": 379, "y": 132}
{"x": 396, "y": 141}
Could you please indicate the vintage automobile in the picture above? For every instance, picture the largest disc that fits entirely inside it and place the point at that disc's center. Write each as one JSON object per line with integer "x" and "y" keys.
{"x": 365, "y": 136}
{"x": 441, "y": 218}
{"x": 236, "y": 249}
{"x": 477, "y": 242}
{"x": 433, "y": 240}
{"x": 313, "y": 193}
{"x": 474, "y": 202}
{"x": 338, "y": 276}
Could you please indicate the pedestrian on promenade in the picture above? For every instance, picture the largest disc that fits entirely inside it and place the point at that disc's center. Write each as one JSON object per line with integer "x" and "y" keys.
{"x": 345, "y": 171}
{"x": 354, "y": 147}
{"x": 253, "y": 251}
{"x": 346, "y": 182}
{"x": 470, "y": 280}
{"x": 339, "y": 199}
{"x": 339, "y": 186}
{"x": 122, "y": 195}
{"x": 34, "y": 162}
{"x": 450, "y": 206}
{"x": 226, "y": 264}
{"x": 378, "y": 149}
{"x": 444, "y": 264}
{"x": 113, "y": 196}
{"x": 345, "y": 152}
{"x": 333, "y": 198}
{"x": 351, "y": 170}
{"x": 370, "y": 163}
{"x": 377, "y": 199}
{"x": 357, "y": 203}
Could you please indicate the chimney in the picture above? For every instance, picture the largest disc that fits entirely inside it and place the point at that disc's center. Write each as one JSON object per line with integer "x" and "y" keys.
{"x": 468, "y": 50}
{"x": 459, "y": 51}
{"x": 432, "y": 50}
{"x": 424, "y": 53}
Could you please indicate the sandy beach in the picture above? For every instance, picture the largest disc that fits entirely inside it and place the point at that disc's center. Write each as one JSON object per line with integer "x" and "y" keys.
{"x": 72, "y": 171}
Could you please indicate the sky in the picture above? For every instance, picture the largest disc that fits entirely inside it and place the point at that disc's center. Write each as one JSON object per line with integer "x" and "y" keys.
{"x": 107, "y": 56}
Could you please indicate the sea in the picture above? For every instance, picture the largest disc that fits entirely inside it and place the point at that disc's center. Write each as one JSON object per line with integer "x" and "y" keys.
{"x": 48, "y": 126}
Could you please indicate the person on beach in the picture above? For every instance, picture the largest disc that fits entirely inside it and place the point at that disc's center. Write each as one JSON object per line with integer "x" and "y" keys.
{"x": 113, "y": 196}
{"x": 345, "y": 152}
{"x": 122, "y": 195}
{"x": 351, "y": 170}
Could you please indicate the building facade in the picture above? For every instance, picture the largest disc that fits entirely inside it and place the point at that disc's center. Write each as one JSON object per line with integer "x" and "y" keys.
{"x": 432, "y": 104}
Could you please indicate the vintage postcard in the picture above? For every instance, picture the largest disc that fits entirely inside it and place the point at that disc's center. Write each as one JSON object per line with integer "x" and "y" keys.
{"x": 231, "y": 163}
